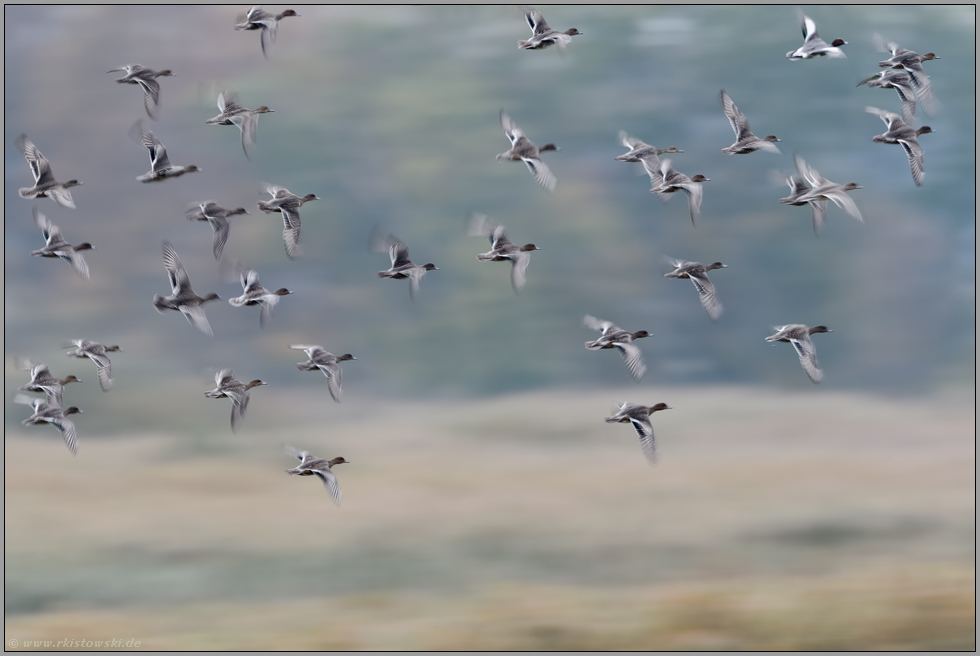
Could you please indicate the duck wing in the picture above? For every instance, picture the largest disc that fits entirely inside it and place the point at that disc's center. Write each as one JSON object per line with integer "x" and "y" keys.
{"x": 537, "y": 23}
{"x": 247, "y": 123}
{"x": 290, "y": 229}
{"x": 598, "y": 324}
{"x": 151, "y": 94}
{"x": 51, "y": 232}
{"x": 158, "y": 152}
{"x": 644, "y": 430}
{"x": 518, "y": 271}
{"x": 180, "y": 282}
{"x": 845, "y": 202}
{"x": 68, "y": 433}
{"x": 819, "y": 214}
{"x": 541, "y": 172}
{"x": 706, "y": 291}
{"x": 330, "y": 483}
{"x": 333, "y": 374}
{"x": 103, "y": 368}
{"x": 737, "y": 119}
{"x": 220, "y": 228}
{"x": 891, "y": 119}
{"x": 808, "y": 357}
{"x": 916, "y": 158}
{"x": 633, "y": 358}
{"x": 40, "y": 167}
{"x": 513, "y": 133}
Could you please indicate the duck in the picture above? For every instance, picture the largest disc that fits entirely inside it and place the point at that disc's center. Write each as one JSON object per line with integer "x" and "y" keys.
{"x": 910, "y": 62}
{"x": 813, "y": 45}
{"x": 45, "y": 186}
{"x": 310, "y": 465}
{"x": 327, "y": 362}
{"x": 798, "y": 335}
{"x": 56, "y": 246}
{"x": 217, "y": 217}
{"x": 698, "y": 274}
{"x": 402, "y": 268}
{"x": 96, "y": 353}
{"x": 160, "y": 166}
{"x": 256, "y": 294}
{"x": 798, "y": 189}
{"x": 823, "y": 189}
{"x": 247, "y": 120}
{"x": 542, "y": 36}
{"x": 615, "y": 337}
{"x": 745, "y": 141}
{"x": 228, "y": 387}
{"x": 671, "y": 181}
{"x": 639, "y": 151}
{"x": 502, "y": 249}
{"x": 639, "y": 417}
{"x": 46, "y": 412}
{"x": 146, "y": 79}
{"x": 524, "y": 150}
{"x": 259, "y": 19}
{"x": 900, "y": 133}
{"x": 182, "y": 297}
{"x": 288, "y": 204}
{"x": 898, "y": 80}
{"x": 42, "y": 380}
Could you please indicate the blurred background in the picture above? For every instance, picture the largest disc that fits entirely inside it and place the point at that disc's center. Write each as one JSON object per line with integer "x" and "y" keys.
{"x": 486, "y": 504}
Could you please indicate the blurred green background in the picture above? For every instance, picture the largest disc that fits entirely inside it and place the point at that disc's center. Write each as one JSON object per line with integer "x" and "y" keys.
{"x": 473, "y": 418}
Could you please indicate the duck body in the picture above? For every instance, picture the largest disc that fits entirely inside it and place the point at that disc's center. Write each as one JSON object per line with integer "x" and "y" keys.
{"x": 56, "y": 246}
{"x": 822, "y": 190}
{"x": 45, "y": 186}
{"x": 229, "y": 387}
{"x": 256, "y": 294}
{"x": 902, "y": 84}
{"x": 46, "y": 412}
{"x": 502, "y": 249}
{"x": 639, "y": 417}
{"x": 97, "y": 354}
{"x": 798, "y": 335}
{"x": 43, "y": 381}
{"x": 614, "y": 337}
{"x": 325, "y": 362}
{"x": 146, "y": 79}
{"x": 813, "y": 45}
{"x": 745, "y": 141}
{"x": 910, "y": 62}
{"x": 698, "y": 274}
{"x": 542, "y": 35}
{"x": 182, "y": 297}
{"x": 287, "y": 204}
{"x": 904, "y": 135}
{"x": 402, "y": 268}
{"x": 160, "y": 167}
{"x": 246, "y": 120}
{"x": 524, "y": 150}
{"x": 259, "y": 19}
{"x": 310, "y": 465}
{"x": 671, "y": 182}
{"x": 217, "y": 218}
{"x": 639, "y": 151}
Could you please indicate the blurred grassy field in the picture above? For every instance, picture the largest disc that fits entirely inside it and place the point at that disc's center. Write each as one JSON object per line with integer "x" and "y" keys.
{"x": 803, "y": 520}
